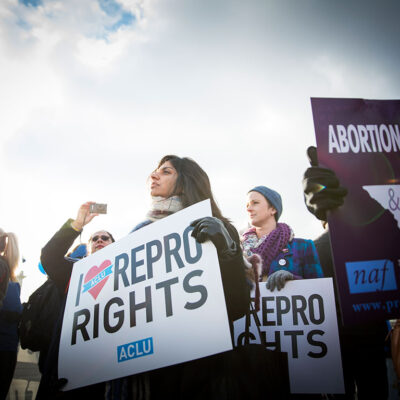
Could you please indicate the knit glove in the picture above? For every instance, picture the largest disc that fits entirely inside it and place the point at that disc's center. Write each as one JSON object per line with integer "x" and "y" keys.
{"x": 211, "y": 228}
{"x": 322, "y": 190}
{"x": 278, "y": 279}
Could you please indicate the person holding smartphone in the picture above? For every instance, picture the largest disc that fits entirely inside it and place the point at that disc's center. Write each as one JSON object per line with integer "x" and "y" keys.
{"x": 58, "y": 267}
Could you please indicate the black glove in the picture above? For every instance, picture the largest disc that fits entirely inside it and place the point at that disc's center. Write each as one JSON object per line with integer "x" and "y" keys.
{"x": 55, "y": 386}
{"x": 278, "y": 279}
{"x": 61, "y": 383}
{"x": 322, "y": 190}
{"x": 211, "y": 228}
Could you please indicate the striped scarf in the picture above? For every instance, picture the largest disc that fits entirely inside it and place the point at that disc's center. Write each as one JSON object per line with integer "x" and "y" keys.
{"x": 163, "y": 207}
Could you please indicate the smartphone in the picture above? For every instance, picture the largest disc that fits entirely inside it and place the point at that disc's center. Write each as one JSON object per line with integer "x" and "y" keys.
{"x": 98, "y": 208}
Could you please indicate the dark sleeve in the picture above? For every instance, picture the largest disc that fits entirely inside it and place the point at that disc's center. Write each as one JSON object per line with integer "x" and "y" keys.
{"x": 12, "y": 314}
{"x": 323, "y": 247}
{"x": 52, "y": 257}
{"x": 312, "y": 266}
{"x": 4, "y": 278}
{"x": 236, "y": 288}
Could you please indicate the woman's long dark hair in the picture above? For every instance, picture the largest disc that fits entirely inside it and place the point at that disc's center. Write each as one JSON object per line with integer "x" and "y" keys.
{"x": 192, "y": 184}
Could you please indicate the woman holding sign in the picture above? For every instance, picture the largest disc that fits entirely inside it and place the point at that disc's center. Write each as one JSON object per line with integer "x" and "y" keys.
{"x": 177, "y": 183}
{"x": 282, "y": 256}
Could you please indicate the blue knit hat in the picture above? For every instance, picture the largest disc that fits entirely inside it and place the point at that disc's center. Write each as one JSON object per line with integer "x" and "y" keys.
{"x": 273, "y": 197}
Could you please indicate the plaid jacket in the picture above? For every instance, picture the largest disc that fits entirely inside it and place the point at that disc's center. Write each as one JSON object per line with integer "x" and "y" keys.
{"x": 300, "y": 258}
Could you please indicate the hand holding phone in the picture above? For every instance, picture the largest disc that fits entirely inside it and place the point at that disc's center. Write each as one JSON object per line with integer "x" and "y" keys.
{"x": 86, "y": 213}
{"x": 98, "y": 208}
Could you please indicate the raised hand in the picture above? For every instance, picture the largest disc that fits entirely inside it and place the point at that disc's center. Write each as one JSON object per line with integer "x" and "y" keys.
{"x": 84, "y": 216}
{"x": 322, "y": 190}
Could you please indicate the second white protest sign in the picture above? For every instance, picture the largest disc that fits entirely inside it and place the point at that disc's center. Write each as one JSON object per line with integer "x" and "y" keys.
{"x": 301, "y": 320}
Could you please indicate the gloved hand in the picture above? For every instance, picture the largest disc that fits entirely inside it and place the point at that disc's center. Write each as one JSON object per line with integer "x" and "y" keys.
{"x": 55, "y": 386}
{"x": 61, "y": 383}
{"x": 322, "y": 190}
{"x": 278, "y": 279}
{"x": 211, "y": 228}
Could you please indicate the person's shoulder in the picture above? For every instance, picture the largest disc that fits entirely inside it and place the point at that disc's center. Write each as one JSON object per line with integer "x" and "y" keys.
{"x": 141, "y": 225}
{"x": 230, "y": 227}
{"x": 301, "y": 241}
{"x": 302, "y": 244}
{"x": 233, "y": 232}
{"x": 323, "y": 238}
{"x": 16, "y": 285}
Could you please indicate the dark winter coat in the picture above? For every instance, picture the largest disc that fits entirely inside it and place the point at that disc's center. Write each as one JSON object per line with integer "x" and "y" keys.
{"x": 200, "y": 378}
{"x": 59, "y": 270}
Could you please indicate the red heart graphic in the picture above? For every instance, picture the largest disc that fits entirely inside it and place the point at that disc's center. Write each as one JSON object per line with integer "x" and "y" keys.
{"x": 94, "y": 271}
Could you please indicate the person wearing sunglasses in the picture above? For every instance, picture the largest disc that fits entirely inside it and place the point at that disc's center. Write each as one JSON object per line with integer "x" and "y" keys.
{"x": 58, "y": 267}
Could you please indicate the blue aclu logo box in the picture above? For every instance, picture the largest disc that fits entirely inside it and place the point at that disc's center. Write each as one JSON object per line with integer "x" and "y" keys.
{"x": 137, "y": 349}
{"x": 371, "y": 276}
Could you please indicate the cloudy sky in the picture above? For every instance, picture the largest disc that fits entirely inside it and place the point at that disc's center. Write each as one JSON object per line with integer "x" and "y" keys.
{"x": 93, "y": 93}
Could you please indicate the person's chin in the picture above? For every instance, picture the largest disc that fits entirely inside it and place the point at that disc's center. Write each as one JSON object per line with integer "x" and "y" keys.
{"x": 155, "y": 193}
{"x": 159, "y": 194}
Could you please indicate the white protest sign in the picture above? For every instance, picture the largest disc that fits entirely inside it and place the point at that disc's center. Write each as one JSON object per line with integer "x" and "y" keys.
{"x": 301, "y": 320}
{"x": 152, "y": 299}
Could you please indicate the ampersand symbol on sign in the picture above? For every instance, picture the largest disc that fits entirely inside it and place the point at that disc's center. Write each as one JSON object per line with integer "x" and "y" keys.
{"x": 393, "y": 203}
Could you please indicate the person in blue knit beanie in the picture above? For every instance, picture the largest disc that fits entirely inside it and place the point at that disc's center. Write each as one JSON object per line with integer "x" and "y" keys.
{"x": 281, "y": 256}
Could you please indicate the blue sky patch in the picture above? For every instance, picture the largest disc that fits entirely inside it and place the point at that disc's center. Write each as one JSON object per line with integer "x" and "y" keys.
{"x": 33, "y": 3}
{"x": 110, "y": 7}
{"x": 23, "y": 24}
{"x": 126, "y": 19}
{"x": 114, "y": 9}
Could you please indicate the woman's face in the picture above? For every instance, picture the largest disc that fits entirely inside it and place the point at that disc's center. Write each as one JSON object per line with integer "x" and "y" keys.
{"x": 99, "y": 240}
{"x": 163, "y": 180}
{"x": 259, "y": 210}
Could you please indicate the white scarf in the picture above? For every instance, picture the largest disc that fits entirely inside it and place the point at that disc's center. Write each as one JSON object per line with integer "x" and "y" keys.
{"x": 162, "y": 207}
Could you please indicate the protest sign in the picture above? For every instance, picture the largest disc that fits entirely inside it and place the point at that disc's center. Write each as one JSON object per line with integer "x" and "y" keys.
{"x": 152, "y": 299}
{"x": 300, "y": 319}
{"x": 360, "y": 140}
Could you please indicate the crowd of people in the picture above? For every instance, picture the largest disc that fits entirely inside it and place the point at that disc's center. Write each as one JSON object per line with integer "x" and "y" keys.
{"x": 267, "y": 252}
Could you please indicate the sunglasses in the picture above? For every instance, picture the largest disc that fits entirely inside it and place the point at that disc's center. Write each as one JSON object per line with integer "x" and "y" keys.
{"x": 104, "y": 238}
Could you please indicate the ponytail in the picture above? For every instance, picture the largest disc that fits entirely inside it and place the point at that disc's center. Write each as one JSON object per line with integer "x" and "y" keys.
{"x": 9, "y": 250}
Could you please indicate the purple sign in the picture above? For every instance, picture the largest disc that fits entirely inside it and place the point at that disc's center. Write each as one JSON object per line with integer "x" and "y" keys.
{"x": 360, "y": 140}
